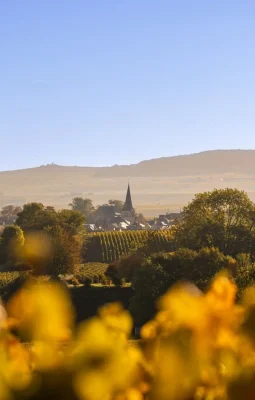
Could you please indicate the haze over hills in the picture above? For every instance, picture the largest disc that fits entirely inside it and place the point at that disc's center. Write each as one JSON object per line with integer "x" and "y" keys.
{"x": 157, "y": 185}
{"x": 208, "y": 162}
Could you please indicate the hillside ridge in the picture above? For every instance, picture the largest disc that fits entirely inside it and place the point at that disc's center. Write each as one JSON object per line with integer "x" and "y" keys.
{"x": 157, "y": 185}
{"x": 173, "y": 158}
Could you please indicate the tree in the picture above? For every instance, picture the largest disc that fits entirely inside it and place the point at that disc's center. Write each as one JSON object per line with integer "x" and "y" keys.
{"x": 85, "y": 206}
{"x": 222, "y": 218}
{"x": 35, "y": 216}
{"x": 52, "y": 238}
{"x": 53, "y": 251}
{"x": 140, "y": 218}
{"x": 245, "y": 278}
{"x": 66, "y": 256}
{"x": 149, "y": 282}
{"x": 9, "y": 213}
{"x": 11, "y": 244}
{"x": 127, "y": 265}
{"x": 152, "y": 278}
{"x": 113, "y": 273}
{"x": 117, "y": 203}
{"x": 71, "y": 221}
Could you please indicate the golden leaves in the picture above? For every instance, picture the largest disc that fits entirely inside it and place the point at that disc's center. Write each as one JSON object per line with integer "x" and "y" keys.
{"x": 198, "y": 346}
{"x": 43, "y": 312}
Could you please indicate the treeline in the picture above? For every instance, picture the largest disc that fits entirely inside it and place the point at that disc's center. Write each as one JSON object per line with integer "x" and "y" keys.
{"x": 43, "y": 240}
{"x": 216, "y": 232}
{"x": 48, "y": 241}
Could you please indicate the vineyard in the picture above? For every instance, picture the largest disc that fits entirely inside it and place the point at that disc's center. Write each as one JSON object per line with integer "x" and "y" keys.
{"x": 106, "y": 247}
{"x": 94, "y": 272}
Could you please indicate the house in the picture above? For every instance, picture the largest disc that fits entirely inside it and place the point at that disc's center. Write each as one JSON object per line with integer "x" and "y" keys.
{"x": 138, "y": 226}
{"x": 109, "y": 217}
{"x": 93, "y": 228}
{"x": 165, "y": 221}
{"x": 174, "y": 217}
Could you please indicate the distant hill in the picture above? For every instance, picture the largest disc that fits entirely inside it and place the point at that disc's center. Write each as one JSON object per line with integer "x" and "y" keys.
{"x": 157, "y": 185}
{"x": 208, "y": 162}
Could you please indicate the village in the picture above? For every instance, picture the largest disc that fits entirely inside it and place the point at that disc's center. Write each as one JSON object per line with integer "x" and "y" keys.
{"x": 113, "y": 216}
{"x": 110, "y": 218}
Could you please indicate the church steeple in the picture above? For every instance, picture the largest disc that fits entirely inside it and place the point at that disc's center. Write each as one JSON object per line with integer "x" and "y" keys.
{"x": 128, "y": 206}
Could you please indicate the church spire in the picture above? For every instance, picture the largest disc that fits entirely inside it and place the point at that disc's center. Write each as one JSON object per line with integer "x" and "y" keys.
{"x": 128, "y": 206}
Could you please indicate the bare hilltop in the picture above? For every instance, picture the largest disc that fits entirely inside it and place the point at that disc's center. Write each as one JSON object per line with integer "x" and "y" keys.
{"x": 157, "y": 185}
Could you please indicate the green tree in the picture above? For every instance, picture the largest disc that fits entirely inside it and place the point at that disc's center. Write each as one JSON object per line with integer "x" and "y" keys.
{"x": 152, "y": 278}
{"x": 53, "y": 251}
{"x": 85, "y": 206}
{"x": 9, "y": 213}
{"x": 245, "y": 277}
{"x": 113, "y": 273}
{"x": 71, "y": 221}
{"x": 11, "y": 244}
{"x": 127, "y": 265}
{"x": 244, "y": 272}
{"x": 35, "y": 216}
{"x": 66, "y": 255}
{"x": 117, "y": 203}
{"x": 222, "y": 218}
{"x": 53, "y": 238}
{"x": 149, "y": 282}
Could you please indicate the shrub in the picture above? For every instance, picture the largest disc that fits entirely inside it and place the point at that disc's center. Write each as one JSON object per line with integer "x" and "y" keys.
{"x": 245, "y": 277}
{"x": 113, "y": 274}
{"x": 102, "y": 279}
{"x": 243, "y": 260}
{"x": 127, "y": 265}
{"x": 6, "y": 278}
{"x": 96, "y": 278}
{"x": 161, "y": 271}
{"x": 88, "y": 281}
{"x": 74, "y": 281}
{"x": 11, "y": 244}
{"x": 17, "y": 266}
{"x": 10, "y": 282}
{"x": 82, "y": 277}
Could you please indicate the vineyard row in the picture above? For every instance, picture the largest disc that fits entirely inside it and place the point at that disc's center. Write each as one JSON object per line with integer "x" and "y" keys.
{"x": 109, "y": 246}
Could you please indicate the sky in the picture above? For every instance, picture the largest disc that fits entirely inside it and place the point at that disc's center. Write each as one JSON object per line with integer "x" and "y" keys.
{"x": 96, "y": 83}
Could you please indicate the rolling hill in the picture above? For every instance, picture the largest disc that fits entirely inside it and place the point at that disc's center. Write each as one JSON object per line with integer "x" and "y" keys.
{"x": 157, "y": 185}
{"x": 208, "y": 162}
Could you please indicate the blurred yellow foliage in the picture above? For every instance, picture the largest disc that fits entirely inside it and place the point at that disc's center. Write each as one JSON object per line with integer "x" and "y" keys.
{"x": 37, "y": 249}
{"x": 199, "y": 346}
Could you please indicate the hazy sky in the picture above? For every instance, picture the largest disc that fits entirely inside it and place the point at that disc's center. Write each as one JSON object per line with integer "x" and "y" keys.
{"x": 101, "y": 82}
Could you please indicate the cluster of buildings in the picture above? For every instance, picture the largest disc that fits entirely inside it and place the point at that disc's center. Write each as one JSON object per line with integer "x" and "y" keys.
{"x": 110, "y": 218}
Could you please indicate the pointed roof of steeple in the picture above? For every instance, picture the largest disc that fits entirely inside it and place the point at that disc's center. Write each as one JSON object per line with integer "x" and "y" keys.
{"x": 128, "y": 206}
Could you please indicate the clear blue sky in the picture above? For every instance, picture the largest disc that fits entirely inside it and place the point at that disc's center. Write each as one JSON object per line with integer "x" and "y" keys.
{"x": 103, "y": 82}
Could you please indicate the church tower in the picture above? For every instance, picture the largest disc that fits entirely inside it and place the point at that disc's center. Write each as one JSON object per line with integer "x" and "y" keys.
{"x": 128, "y": 211}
